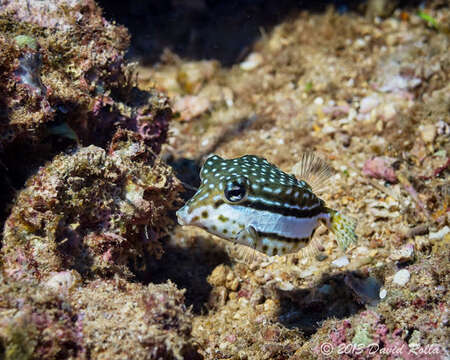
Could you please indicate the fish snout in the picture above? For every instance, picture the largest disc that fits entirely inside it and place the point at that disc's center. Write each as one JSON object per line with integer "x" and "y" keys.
{"x": 182, "y": 216}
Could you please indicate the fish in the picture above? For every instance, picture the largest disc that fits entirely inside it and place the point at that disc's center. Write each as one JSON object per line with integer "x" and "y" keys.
{"x": 251, "y": 202}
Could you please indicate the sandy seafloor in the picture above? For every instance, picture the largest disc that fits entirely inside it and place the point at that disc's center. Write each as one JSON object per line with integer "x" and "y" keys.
{"x": 95, "y": 150}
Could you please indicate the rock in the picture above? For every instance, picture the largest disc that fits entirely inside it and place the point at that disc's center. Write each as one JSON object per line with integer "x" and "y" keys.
{"x": 305, "y": 273}
{"x": 251, "y": 62}
{"x": 439, "y": 234}
{"x": 191, "y": 106}
{"x": 442, "y": 128}
{"x": 64, "y": 281}
{"x": 285, "y": 286}
{"x": 368, "y": 104}
{"x": 340, "y": 262}
{"x": 360, "y": 261}
{"x": 401, "y": 277}
{"x": 328, "y": 129}
{"x": 428, "y": 133}
{"x": 400, "y": 70}
{"x": 192, "y": 75}
{"x": 219, "y": 275}
{"x": 360, "y": 43}
{"x": 318, "y": 101}
{"x": 233, "y": 285}
{"x": 383, "y": 293}
{"x": 380, "y": 168}
{"x": 388, "y": 111}
{"x": 404, "y": 254}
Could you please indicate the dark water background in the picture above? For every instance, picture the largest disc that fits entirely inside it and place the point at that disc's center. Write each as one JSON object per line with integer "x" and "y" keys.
{"x": 210, "y": 29}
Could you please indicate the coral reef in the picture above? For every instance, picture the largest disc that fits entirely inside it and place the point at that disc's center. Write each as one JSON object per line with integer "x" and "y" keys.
{"x": 92, "y": 211}
{"x": 52, "y": 80}
{"x": 63, "y": 81}
{"x": 96, "y": 203}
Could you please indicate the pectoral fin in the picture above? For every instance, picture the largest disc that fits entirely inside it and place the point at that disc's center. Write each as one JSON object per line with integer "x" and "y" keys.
{"x": 248, "y": 236}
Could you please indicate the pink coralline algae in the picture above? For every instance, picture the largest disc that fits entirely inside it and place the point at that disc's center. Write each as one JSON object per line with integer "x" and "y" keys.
{"x": 339, "y": 335}
{"x": 380, "y": 168}
{"x": 61, "y": 15}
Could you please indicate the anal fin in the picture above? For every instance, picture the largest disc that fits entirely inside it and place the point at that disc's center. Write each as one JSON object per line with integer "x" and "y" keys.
{"x": 311, "y": 250}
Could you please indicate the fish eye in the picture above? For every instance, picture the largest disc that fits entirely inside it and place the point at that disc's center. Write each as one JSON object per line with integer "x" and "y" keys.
{"x": 235, "y": 191}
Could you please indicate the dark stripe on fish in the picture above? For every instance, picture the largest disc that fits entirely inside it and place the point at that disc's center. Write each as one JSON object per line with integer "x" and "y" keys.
{"x": 282, "y": 238}
{"x": 286, "y": 211}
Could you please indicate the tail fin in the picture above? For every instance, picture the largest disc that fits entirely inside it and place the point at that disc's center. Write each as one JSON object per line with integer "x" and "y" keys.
{"x": 343, "y": 227}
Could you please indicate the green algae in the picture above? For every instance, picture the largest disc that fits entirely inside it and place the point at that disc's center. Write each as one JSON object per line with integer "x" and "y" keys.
{"x": 362, "y": 335}
{"x": 26, "y": 40}
{"x": 20, "y": 342}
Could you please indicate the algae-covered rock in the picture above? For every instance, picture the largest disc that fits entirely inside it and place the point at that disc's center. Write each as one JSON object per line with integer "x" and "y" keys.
{"x": 64, "y": 81}
{"x": 37, "y": 324}
{"x": 93, "y": 211}
{"x": 128, "y": 320}
{"x": 79, "y": 77}
{"x": 112, "y": 319}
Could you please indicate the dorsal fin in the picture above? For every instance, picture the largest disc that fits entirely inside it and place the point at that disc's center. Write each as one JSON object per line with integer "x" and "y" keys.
{"x": 313, "y": 170}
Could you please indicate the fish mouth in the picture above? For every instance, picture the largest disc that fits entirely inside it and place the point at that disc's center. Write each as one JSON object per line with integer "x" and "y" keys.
{"x": 181, "y": 216}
